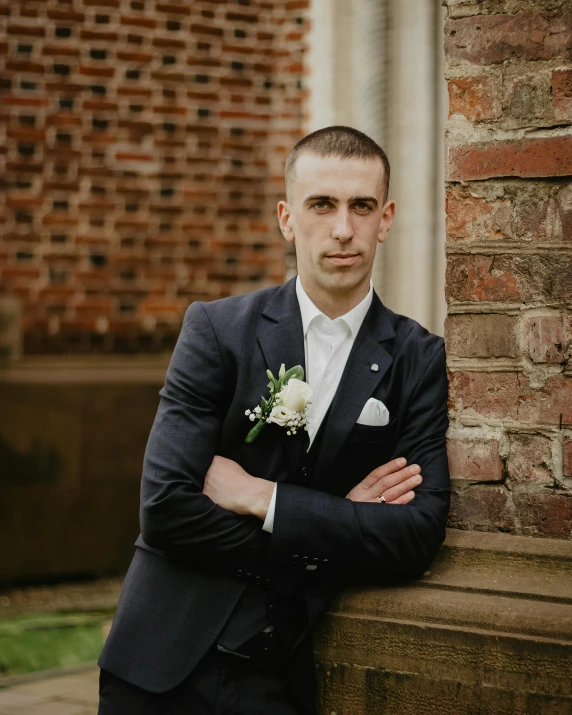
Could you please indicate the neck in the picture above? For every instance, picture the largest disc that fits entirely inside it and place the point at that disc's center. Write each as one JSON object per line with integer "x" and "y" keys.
{"x": 333, "y": 304}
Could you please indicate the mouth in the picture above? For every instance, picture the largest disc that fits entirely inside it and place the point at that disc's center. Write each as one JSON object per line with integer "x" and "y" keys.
{"x": 343, "y": 259}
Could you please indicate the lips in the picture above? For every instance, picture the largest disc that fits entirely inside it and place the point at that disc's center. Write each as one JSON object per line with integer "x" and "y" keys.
{"x": 343, "y": 259}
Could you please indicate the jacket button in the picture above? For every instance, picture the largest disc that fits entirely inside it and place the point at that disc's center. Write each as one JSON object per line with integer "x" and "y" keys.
{"x": 239, "y": 573}
{"x": 295, "y": 558}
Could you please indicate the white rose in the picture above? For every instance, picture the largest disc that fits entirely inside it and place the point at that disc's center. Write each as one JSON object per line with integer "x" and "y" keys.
{"x": 296, "y": 394}
{"x": 281, "y": 415}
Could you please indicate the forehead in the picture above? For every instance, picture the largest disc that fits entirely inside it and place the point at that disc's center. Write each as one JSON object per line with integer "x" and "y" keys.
{"x": 334, "y": 176}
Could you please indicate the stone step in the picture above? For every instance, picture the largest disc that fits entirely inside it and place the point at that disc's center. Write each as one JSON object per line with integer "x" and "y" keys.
{"x": 487, "y": 630}
{"x": 478, "y": 561}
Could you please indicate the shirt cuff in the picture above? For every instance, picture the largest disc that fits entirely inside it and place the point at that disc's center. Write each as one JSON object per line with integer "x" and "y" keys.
{"x": 269, "y": 521}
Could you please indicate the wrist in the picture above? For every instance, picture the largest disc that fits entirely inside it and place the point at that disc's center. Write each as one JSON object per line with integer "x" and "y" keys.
{"x": 260, "y": 498}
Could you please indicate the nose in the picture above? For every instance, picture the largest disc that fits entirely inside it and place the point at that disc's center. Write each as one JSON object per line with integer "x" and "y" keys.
{"x": 343, "y": 229}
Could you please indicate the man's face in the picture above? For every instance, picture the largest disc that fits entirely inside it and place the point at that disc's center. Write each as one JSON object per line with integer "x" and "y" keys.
{"x": 336, "y": 216}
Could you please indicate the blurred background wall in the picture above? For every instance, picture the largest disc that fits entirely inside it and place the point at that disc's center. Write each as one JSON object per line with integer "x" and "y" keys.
{"x": 143, "y": 145}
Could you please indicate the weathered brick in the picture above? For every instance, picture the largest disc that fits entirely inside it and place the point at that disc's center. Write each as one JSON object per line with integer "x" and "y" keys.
{"x": 530, "y": 459}
{"x": 474, "y": 459}
{"x": 565, "y": 211}
{"x": 528, "y": 158}
{"x": 481, "y": 278}
{"x": 567, "y": 457}
{"x": 545, "y": 339}
{"x": 509, "y": 395}
{"x": 510, "y": 278}
{"x": 481, "y": 507}
{"x": 527, "y": 99}
{"x": 476, "y": 98}
{"x": 535, "y": 216}
{"x": 481, "y": 335}
{"x": 544, "y": 514}
{"x": 490, "y": 39}
{"x": 562, "y": 94}
{"x": 474, "y": 218}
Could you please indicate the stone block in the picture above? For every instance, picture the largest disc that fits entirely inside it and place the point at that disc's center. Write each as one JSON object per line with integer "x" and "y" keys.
{"x": 481, "y": 335}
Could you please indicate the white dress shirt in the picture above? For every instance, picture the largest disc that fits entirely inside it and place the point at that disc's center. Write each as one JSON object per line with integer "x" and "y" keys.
{"x": 327, "y": 345}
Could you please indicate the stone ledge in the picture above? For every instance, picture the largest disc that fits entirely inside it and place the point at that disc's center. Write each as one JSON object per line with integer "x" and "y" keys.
{"x": 487, "y": 630}
{"x": 87, "y": 370}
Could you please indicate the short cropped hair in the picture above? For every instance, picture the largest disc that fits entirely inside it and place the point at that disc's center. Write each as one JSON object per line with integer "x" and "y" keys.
{"x": 343, "y": 142}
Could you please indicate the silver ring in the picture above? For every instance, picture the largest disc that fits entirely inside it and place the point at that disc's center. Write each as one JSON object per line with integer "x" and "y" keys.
{"x": 381, "y": 499}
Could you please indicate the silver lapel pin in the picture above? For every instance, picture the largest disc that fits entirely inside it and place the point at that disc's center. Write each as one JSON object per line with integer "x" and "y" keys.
{"x": 374, "y": 367}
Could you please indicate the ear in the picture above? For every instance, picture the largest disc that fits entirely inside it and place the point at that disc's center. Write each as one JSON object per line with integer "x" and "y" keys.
{"x": 388, "y": 213}
{"x": 283, "y": 211}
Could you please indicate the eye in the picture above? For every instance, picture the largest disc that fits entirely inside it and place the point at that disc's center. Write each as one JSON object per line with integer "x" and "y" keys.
{"x": 361, "y": 206}
{"x": 319, "y": 205}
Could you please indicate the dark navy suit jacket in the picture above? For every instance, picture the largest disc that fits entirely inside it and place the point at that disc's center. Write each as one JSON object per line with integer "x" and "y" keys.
{"x": 188, "y": 571}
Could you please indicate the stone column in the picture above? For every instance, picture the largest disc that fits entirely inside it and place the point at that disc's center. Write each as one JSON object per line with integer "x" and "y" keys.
{"x": 408, "y": 277}
{"x": 509, "y": 266}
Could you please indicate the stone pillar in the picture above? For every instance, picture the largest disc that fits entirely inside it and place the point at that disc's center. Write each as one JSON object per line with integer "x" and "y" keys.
{"x": 509, "y": 265}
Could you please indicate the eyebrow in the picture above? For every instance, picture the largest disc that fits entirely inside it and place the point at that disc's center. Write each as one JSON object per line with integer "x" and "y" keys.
{"x": 333, "y": 200}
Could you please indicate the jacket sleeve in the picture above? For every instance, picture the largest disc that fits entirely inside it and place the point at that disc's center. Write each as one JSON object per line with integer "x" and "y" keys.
{"x": 175, "y": 515}
{"x": 385, "y": 539}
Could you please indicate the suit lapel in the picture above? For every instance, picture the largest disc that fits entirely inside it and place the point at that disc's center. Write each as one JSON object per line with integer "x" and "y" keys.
{"x": 356, "y": 386}
{"x": 281, "y": 338}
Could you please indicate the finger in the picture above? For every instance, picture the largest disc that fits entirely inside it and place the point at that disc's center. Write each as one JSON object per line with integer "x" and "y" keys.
{"x": 404, "y": 498}
{"x": 383, "y": 471}
{"x": 400, "y": 489}
{"x": 391, "y": 480}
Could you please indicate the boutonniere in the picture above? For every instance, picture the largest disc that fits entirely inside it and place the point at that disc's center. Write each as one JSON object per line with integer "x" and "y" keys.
{"x": 287, "y": 404}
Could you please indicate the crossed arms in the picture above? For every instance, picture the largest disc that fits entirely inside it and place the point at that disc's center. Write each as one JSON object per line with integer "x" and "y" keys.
{"x": 179, "y": 517}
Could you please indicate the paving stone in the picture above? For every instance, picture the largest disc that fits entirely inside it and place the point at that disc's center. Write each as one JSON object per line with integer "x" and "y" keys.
{"x": 77, "y": 687}
{"x": 8, "y": 698}
{"x": 49, "y": 707}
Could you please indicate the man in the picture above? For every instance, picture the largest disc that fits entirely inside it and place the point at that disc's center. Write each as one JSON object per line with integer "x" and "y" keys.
{"x": 243, "y": 545}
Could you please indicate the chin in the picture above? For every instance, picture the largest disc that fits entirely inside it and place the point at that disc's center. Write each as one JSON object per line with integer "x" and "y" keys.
{"x": 344, "y": 282}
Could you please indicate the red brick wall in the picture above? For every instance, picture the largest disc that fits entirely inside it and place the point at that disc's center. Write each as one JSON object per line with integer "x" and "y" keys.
{"x": 509, "y": 265}
{"x": 143, "y": 144}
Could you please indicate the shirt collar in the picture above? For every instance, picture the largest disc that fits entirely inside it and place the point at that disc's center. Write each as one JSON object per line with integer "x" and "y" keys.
{"x": 353, "y": 318}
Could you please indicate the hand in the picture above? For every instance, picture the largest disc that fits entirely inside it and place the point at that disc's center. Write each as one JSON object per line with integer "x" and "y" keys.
{"x": 394, "y": 480}
{"x": 229, "y": 486}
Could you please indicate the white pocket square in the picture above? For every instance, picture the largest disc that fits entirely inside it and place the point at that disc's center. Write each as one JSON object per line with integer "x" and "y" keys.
{"x": 374, "y": 414}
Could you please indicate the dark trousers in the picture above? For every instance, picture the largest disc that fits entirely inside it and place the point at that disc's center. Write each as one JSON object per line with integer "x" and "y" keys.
{"x": 220, "y": 685}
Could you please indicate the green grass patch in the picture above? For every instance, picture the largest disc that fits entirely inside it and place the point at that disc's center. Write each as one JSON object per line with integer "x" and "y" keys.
{"x": 41, "y": 641}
